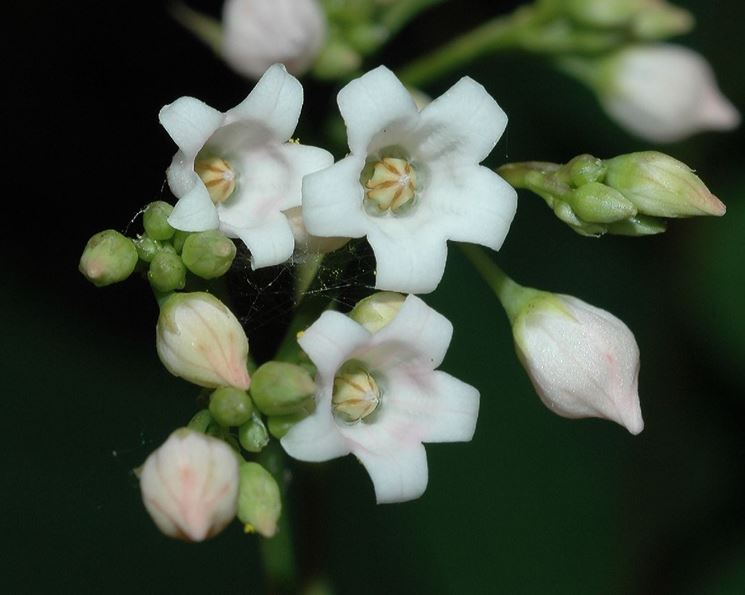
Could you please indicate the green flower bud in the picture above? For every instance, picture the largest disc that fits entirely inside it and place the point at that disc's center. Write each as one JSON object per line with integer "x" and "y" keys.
{"x": 259, "y": 502}
{"x": 598, "y": 203}
{"x": 155, "y": 220}
{"x": 147, "y": 248}
{"x": 336, "y": 60}
{"x": 230, "y": 406}
{"x": 108, "y": 257}
{"x": 660, "y": 20}
{"x": 178, "y": 239}
{"x": 208, "y": 254}
{"x": 585, "y": 169}
{"x": 279, "y": 425}
{"x": 376, "y": 311}
{"x": 638, "y": 226}
{"x": 661, "y": 186}
{"x": 253, "y": 434}
{"x": 201, "y": 421}
{"x": 167, "y": 272}
{"x": 279, "y": 388}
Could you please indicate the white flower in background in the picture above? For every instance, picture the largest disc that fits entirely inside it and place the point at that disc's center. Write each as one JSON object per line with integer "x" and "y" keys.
{"x": 664, "y": 93}
{"x": 200, "y": 340}
{"x": 380, "y": 397}
{"x": 413, "y": 179}
{"x": 236, "y": 172}
{"x": 582, "y": 361}
{"x": 190, "y": 485}
{"x": 259, "y": 33}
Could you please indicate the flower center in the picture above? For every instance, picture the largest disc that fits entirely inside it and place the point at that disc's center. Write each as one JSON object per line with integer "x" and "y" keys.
{"x": 218, "y": 177}
{"x": 392, "y": 184}
{"x": 355, "y": 394}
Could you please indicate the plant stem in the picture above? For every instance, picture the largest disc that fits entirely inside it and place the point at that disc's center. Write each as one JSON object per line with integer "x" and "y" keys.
{"x": 497, "y": 34}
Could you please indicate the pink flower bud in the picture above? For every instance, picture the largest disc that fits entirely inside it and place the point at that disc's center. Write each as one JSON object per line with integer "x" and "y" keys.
{"x": 582, "y": 361}
{"x": 190, "y": 485}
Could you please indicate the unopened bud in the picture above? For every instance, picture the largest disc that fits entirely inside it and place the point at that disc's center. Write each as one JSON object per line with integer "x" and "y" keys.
{"x": 582, "y": 361}
{"x": 585, "y": 169}
{"x": 376, "y": 311}
{"x": 598, "y": 203}
{"x": 230, "y": 406}
{"x": 208, "y": 254}
{"x": 660, "y": 20}
{"x": 147, "y": 248}
{"x": 201, "y": 421}
{"x": 155, "y": 220}
{"x": 565, "y": 213}
{"x": 259, "y": 502}
{"x": 190, "y": 485}
{"x": 178, "y": 240}
{"x": 201, "y": 341}
{"x": 638, "y": 226}
{"x": 108, "y": 257}
{"x": 661, "y": 186}
{"x": 279, "y": 425}
{"x": 166, "y": 272}
{"x": 253, "y": 435}
{"x": 280, "y": 388}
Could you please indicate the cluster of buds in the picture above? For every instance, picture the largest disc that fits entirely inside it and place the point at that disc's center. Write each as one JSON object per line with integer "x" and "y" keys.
{"x": 630, "y": 194}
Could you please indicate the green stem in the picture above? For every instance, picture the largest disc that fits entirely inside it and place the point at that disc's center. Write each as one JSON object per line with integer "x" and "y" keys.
{"x": 203, "y": 27}
{"x": 497, "y": 34}
{"x": 403, "y": 11}
{"x": 277, "y": 553}
{"x": 511, "y": 295}
{"x": 548, "y": 180}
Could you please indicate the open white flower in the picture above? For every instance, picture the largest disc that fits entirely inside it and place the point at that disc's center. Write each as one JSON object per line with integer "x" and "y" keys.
{"x": 664, "y": 93}
{"x": 236, "y": 172}
{"x": 380, "y": 397}
{"x": 413, "y": 179}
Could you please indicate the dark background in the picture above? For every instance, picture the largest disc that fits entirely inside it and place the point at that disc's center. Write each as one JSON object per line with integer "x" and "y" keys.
{"x": 536, "y": 504}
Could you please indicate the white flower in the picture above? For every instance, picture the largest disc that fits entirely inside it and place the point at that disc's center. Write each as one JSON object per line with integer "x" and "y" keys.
{"x": 379, "y": 397}
{"x": 199, "y": 339}
{"x": 665, "y": 93}
{"x": 236, "y": 172}
{"x": 259, "y": 33}
{"x": 412, "y": 180}
{"x": 582, "y": 361}
{"x": 190, "y": 485}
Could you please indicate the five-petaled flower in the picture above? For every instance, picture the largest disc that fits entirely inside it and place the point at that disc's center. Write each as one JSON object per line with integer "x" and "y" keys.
{"x": 413, "y": 179}
{"x": 236, "y": 171}
{"x": 380, "y": 397}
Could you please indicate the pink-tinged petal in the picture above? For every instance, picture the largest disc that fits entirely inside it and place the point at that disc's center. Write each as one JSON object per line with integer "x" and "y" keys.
{"x": 316, "y": 438}
{"x": 275, "y": 101}
{"x": 417, "y": 333}
{"x": 195, "y": 210}
{"x": 451, "y": 408}
{"x": 190, "y": 123}
{"x": 408, "y": 260}
{"x": 474, "y": 203}
{"x": 462, "y": 125}
{"x": 332, "y": 200}
{"x": 271, "y": 242}
{"x": 373, "y": 105}
{"x": 330, "y": 341}
{"x": 398, "y": 471}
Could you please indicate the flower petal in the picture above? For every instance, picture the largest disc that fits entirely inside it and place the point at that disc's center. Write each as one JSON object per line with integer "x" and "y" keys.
{"x": 408, "y": 259}
{"x": 332, "y": 200}
{"x": 195, "y": 210}
{"x": 275, "y": 101}
{"x": 330, "y": 340}
{"x": 463, "y": 124}
{"x": 452, "y": 407}
{"x": 398, "y": 473}
{"x": 190, "y": 123}
{"x": 316, "y": 438}
{"x": 475, "y": 204}
{"x": 270, "y": 243}
{"x": 374, "y": 104}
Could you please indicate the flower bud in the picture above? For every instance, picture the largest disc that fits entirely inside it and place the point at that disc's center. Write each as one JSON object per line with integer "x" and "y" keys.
{"x": 585, "y": 169}
{"x": 377, "y": 310}
{"x": 230, "y": 406}
{"x": 155, "y": 220}
{"x": 259, "y": 33}
{"x": 598, "y": 203}
{"x": 664, "y": 93}
{"x": 147, "y": 248}
{"x": 582, "y": 361}
{"x": 661, "y": 186}
{"x": 179, "y": 239}
{"x": 108, "y": 257}
{"x": 208, "y": 254}
{"x": 280, "y": 388}
{"x": 638, "y": 226}
{"x": 279, "y": 425}
{"x": 253, "y": 435}
{"x": 259, "y": 502}
{"x": 190, "y": 485}
{"x": 166, "y": 272}
{"x": 201, "y": 341}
